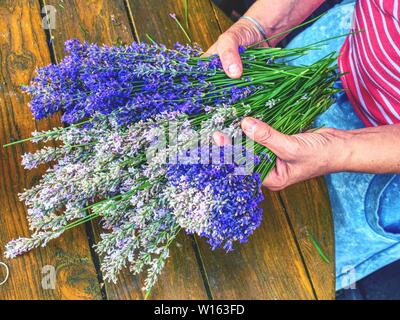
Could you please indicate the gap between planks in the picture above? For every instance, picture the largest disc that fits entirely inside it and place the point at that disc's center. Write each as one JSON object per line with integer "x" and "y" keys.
{"x": 89, "y": 229}
{"x": 297, "y": 245}
{"x": 88, "y": 225}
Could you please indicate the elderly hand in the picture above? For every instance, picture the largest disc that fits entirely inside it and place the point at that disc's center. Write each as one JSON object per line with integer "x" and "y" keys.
{"x": 242, "y": 33}
{"x": 299, "y": 157}
{"x": 306, "y": 155}
{"x": 274, "y": 16}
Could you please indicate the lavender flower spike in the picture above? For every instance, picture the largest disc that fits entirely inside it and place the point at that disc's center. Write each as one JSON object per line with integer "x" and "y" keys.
{"x": 214, "y": 201}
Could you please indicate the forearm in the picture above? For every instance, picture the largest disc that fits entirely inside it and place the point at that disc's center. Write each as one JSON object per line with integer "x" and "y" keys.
{"x": 373, "y": 150}
{"x": 281, "y": 15}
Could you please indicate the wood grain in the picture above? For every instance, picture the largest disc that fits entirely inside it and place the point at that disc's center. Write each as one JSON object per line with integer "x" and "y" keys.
{"x": 23, "y": 47}
{"x": 97, "y": 21}
{"x": 108, "y": 22}
{"x": 152, "y": 17}
{"x": 224, "y": 21}
{"x": 279, "y": 261}
{"x": 180, "y": 279}
{"x": 307, "y": 205}
{"x": 270, "y": 265}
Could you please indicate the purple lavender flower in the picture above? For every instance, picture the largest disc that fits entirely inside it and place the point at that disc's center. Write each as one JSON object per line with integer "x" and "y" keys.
{"x": 215, "y": 201}
{"x": 135, "y": 82}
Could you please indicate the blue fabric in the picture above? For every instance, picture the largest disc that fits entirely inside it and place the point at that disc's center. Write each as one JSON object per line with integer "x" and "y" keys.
{"x": 366, "y": 207}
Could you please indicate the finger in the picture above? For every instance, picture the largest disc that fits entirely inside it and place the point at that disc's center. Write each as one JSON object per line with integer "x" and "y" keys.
{"x": 278, "y": 178}
{"x": 211, "y": 51}
{"x": 280, "y": 144}
{"x": 221, "y": 139}
{"x": 228, "y": 50}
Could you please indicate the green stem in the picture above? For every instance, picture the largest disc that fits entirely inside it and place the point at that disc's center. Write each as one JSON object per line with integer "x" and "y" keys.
{"x": 144, "y": 185}
{"x": 173, "y": 16}
{"x": 148, "y": 291}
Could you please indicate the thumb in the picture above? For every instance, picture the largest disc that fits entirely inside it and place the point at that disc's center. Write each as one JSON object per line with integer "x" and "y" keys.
{"x": 211, "y": 51}
{"x": 279, "y": 143}
{"x": 228, "y": 51}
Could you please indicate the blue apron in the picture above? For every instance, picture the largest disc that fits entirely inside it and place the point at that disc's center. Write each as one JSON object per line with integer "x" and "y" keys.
{"x": 366, "y": 207}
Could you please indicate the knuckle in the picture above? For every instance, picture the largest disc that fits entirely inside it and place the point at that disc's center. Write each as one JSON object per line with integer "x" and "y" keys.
{"x": 278, "y": 179}
{"x": 246, "y": 32}
{"x": 263, "y": 135}
{"x": 280, "y": 183}
{"x": 329, "y": 131}
{"x": 230, "y": 35}
{"x": 292, "y": 150}
{"x": 228, "y": 41}
{"x": 227, "y": 52}
{"x": 227, "y": 38}
{"x": 275, "y": 185}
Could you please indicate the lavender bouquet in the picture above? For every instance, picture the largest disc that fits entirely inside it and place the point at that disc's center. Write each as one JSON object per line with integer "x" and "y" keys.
{"x": 137, "y": 151}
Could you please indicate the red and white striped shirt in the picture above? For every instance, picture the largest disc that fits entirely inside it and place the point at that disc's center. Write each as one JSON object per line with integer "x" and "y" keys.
{"x": 372, "y": 59}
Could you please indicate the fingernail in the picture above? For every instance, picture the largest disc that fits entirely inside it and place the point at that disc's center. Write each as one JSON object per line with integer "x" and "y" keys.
{"x": 248, "y": 124}
{"x": 234, "y": 70}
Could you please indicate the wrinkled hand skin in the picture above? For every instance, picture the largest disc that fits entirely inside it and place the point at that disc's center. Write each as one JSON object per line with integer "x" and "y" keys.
{"x": 242, "y": 33}
{"x": 275, "y": 16}
{"x": 314, "y": 153}
{"x": 299, "y": 157}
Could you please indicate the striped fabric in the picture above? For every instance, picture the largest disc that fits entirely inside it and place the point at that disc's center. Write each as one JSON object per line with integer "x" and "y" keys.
{"x": 372, "y": 60}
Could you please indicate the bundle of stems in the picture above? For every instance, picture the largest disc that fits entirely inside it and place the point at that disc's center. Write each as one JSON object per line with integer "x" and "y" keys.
{"x": 114, "y": 99}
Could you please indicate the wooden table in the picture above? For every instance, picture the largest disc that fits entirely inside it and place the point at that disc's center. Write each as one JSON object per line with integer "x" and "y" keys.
{"x": 280, "y": 260}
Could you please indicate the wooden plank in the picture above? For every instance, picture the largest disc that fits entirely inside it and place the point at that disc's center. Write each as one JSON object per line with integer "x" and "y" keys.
{"x": 152, "y": 17}
{"x": 102, "y": 21}
{"x": 108, "y": 22}
{"x": 180, "y": 279}
{"x": 224, "y": 21}
{"x": 23, "y": 47}
{"x": 307, "y": 205}
{"x": 269, "y": 266}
